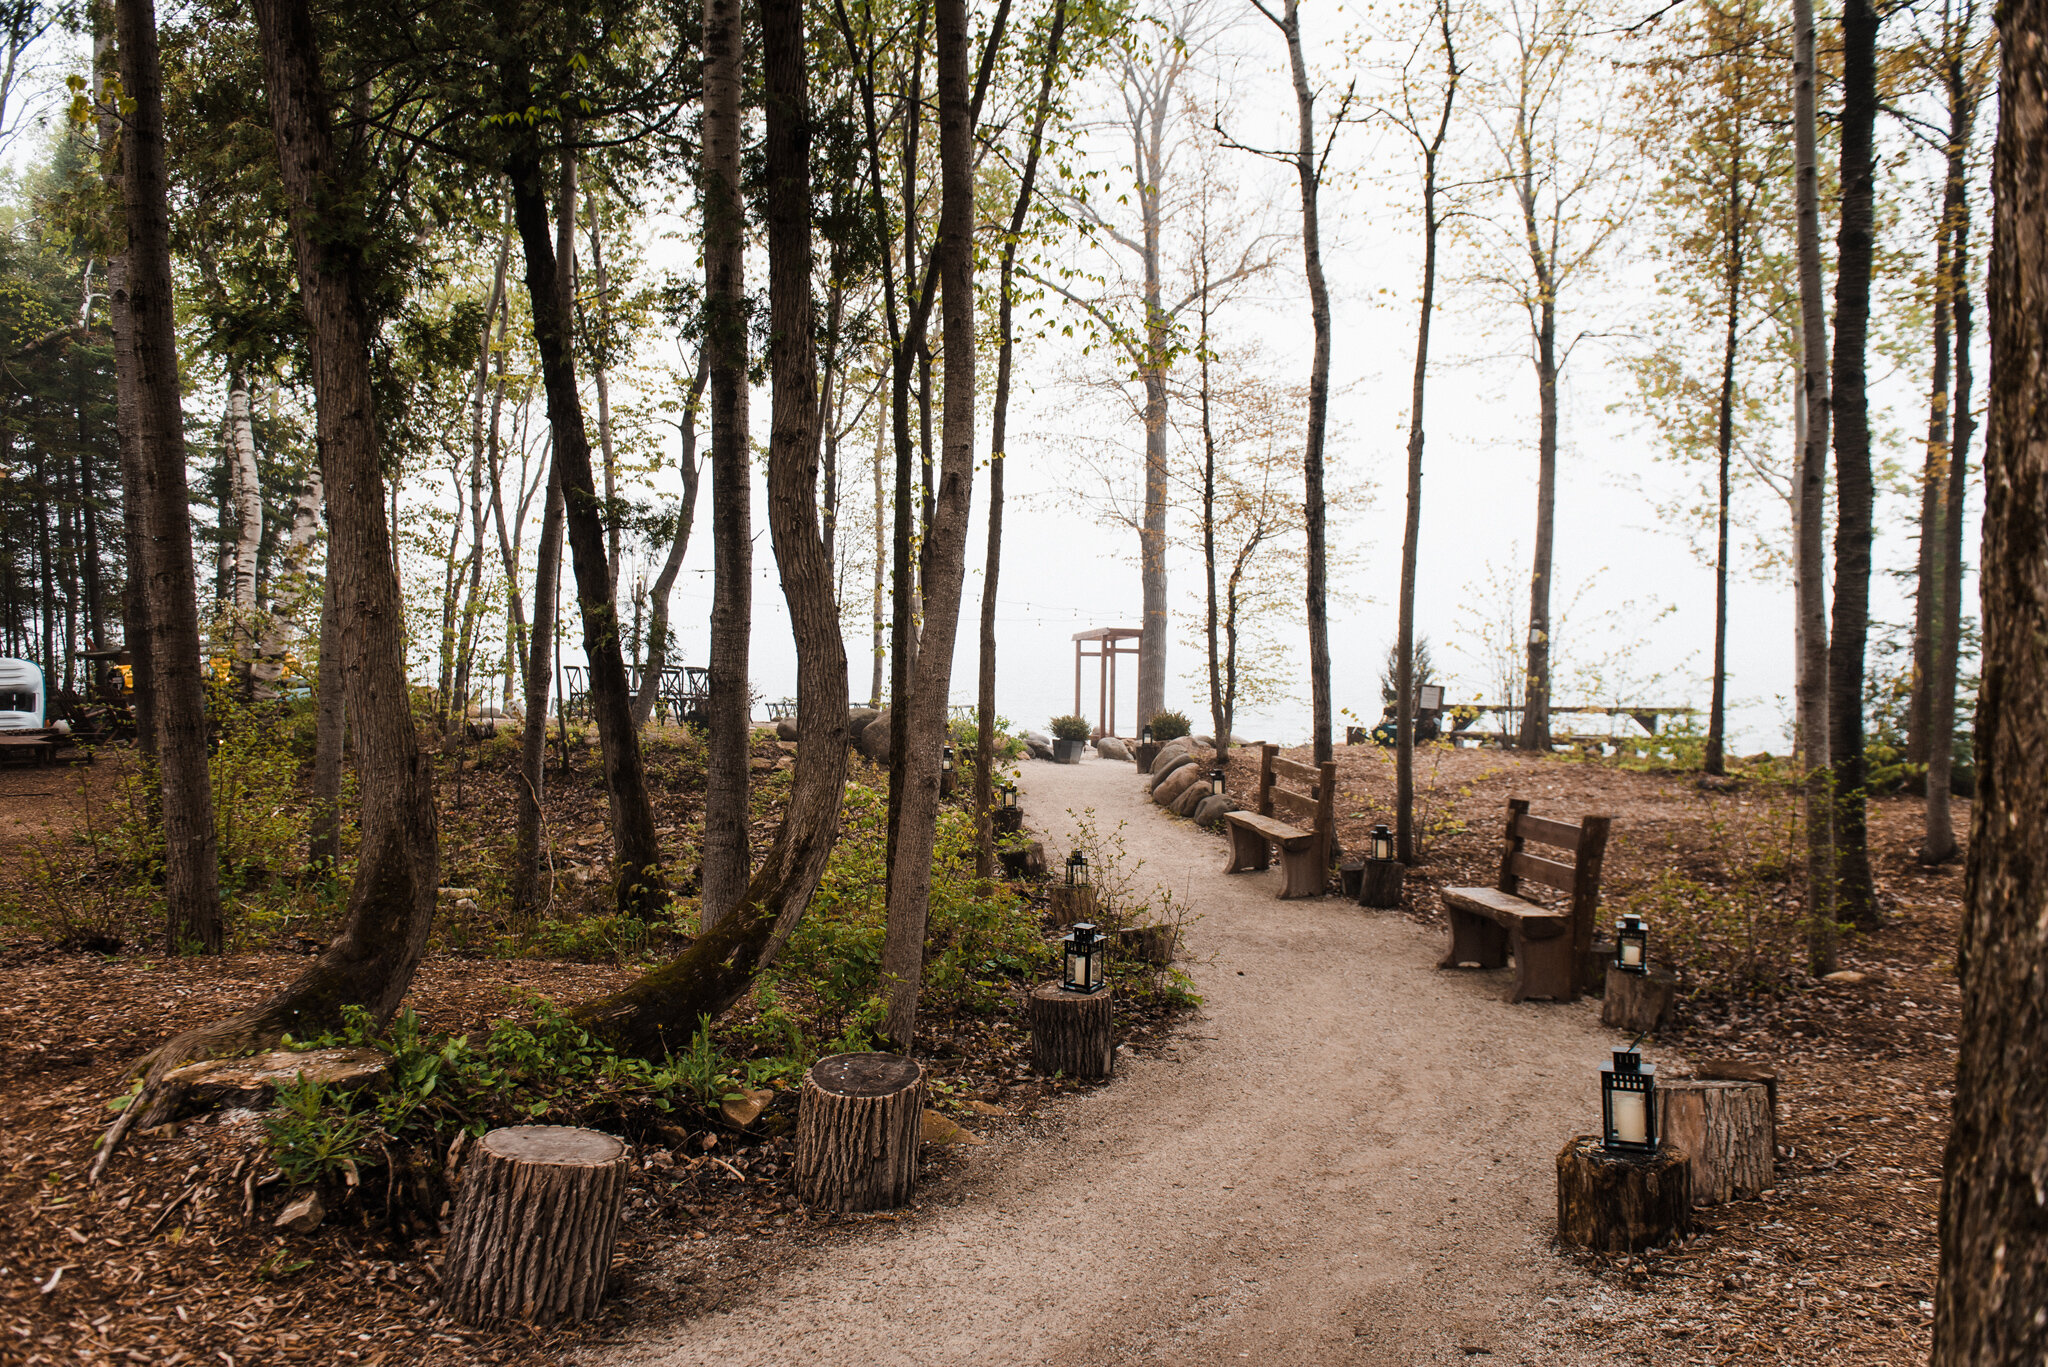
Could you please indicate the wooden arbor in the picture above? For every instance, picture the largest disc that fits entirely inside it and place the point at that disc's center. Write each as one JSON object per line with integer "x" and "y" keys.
{"x": 1109, "y": 642}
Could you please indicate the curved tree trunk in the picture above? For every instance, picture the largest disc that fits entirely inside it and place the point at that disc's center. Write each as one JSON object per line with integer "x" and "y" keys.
{"x": 191, "y": 866}
{"x": 391, "y": 905}
{"x": 726, "y": 856}
{"x": 665, "y": 582}
{"x": 533, "y": 731}
{"x": 661, "y": 1010}
{"x": 1994, "y": 1234}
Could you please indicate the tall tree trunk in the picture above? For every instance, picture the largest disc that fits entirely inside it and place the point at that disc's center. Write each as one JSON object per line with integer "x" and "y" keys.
{"x": 1535, "y": 733}
{"x": 330, "y": 729}
{"x": 1715, "y": 760}
{"x": 479, "y": 460}
{"x": 985, "y": 721}
{"x": 946, "y": 541}
{"x": 641, "y": 889}
{"x": 246, "y": 494}
{"x": 1809, "y": 479}
{"x": 191, "y": 868}
{"x": 880, "y": 645}
{"x": 665, "y": 581}
{"x": 1854, "y": 490}
{"x": 1933, "y": 481}
{"x": 391, "y": 905}
{"x": 727, "y": 858}
{"x": 1994, "y": 1222}
{"x": 1938, "y": 840}
{"x": 1309, "y": 172}
{"x": 533, "y": 731}
{"x": 1411, "y": 531}
{"x": 661, "y": 1011}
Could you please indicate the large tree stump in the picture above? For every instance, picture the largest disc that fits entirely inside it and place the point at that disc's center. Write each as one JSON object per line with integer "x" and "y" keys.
{"x": 1636, "y": 1002}
{"x": 1071, "y": 1031}
{"x": 857, "y": 1131}
{"x": 1027, "y": 862}
{"x": 1621, "y": 1203}
{"x": 1381, "y": 886}
{"x": 534, "y": 1224}
{"x": 1727, "y": 1133}
{"x": 1149, "y": 944}
{"x": 1735, "y": 1070}
{"x": 1144, "y": 754}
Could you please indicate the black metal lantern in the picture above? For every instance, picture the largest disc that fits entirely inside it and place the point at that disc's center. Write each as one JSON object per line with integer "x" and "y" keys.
{"x": 1085, "y": 958}
{"x": 1216, "y": 782}
{"x": 1077, "y": 871}
{"x": 1382, "y": 842}
{"x": 1632, "y": 944}
{"x": 946, "y": 761}
{"x": 1145, "y": 736}
{"x": 1628, "y": 1103}
{"x": 1006, "y": 796}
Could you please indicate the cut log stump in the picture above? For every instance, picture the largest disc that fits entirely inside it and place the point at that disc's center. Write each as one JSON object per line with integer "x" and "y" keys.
{"x": 857, "y": 1131}
{"x": 1727, "y": 1133}
{"x": 1028, "y": 862}
{"x": 534, "y": 1225}
{"x": 1621, "y": 1203}
{"x": 1381, "y": 886}
{"x": 1148, "y": 944}
{"x": 1073, "y": 904}
{"x": 1071, "y": 1031}
{"x": 1636, "y": 1002}
{"x": 1735, "y": 1070}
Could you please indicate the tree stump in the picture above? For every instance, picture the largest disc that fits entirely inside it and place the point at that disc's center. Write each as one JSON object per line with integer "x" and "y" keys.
{"x": 857, "y": 1131}
{"x": 1007, "y": 820}
{"x": 1028, "y": 862}
{"x": 1073, "y": 904}
{"x": 1145, "y": 754}
{"x": 534, "y": 1225}
{"x": 1734, "y": 1070}
{"x": 1636, "y": 1002}
{"x": 1148, "y": 944}
{"x": 1070, "y": 1031}
{"x": 1381, "y": 886}
{"x": 1621, "y": 1203}
{"x": 1727, "y": 1133}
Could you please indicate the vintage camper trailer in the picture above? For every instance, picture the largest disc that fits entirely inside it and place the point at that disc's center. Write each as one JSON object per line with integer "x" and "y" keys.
{"x": 21, "y": 696}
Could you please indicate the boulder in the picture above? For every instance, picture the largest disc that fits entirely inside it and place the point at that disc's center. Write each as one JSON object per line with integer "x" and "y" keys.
{"x": 304, "y": 1215}
{"x": 1109, "y": 747}
{"x": 1180, "y": 745}
{"x": 1174, "y": 784}
{"x": 1037, "y": 751}
{"x": 1166, "y": 766}
{"x": 1185, "y": 804}
{"x": 785, "y": 729}
{"x": 940, "y": 1129}
{"x": 874, "y": 738}
{"x": 1038, "y": 738}
{"x": 857, "y": 717}
{"x": 1206, "y": 742}
{"x": 743, "y": 1110}
{"x": 1209, "y": 811}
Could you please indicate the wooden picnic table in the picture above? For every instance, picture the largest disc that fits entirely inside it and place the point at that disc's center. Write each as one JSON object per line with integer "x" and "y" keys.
{"x": 1465, "y": 717}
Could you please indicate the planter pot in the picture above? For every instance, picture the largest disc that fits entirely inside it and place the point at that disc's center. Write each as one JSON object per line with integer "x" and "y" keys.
{"x": 1068, "y": 751}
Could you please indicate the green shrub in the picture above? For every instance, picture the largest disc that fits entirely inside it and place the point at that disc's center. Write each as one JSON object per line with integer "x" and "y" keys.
{"x": 1071, "y": 728}
{"x": 1168, "y": 726}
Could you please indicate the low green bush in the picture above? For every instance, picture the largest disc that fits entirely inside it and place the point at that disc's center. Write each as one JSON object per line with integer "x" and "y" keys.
{"x": 1168, "y": 726}
{"x": 1071, "y": 728}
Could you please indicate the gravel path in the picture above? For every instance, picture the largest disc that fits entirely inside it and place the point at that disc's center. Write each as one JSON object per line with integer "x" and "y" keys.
{"x": 1345, "y": 1158}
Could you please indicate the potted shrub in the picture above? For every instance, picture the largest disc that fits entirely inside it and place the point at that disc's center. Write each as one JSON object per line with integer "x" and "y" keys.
{"x": 1069, "y": 738}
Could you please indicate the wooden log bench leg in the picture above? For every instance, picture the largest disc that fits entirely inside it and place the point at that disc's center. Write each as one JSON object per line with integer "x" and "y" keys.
{"x": 1303, "y": 870}
{"x": 1543, "y": 968}
{"x": 534, "y": 1225}
{"x": 1249, "y": 851}
{"x": 1475, "y": 940}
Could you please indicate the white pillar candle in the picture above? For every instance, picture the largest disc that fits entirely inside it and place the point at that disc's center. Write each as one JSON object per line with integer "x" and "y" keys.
{"x": 1631, "y": 953}
{"x": 1631, "y": 1118}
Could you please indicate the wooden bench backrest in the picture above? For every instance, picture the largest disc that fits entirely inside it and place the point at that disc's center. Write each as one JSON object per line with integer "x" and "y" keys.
{"x": 1311, "y": 801}
{"x": 1585, "y": 841}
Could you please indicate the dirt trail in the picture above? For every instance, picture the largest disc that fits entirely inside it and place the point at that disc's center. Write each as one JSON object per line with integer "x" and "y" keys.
{"x": 1346, "y": 1158}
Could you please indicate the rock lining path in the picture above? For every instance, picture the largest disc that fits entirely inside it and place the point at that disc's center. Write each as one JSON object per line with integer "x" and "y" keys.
{"x": 1344, "y": 1157}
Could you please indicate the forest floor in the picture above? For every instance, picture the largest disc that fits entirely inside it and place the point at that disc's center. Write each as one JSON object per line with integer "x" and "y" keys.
{"x": 1345, "y": 1157}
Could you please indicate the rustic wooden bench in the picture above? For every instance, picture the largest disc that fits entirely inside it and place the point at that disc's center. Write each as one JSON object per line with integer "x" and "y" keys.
{"x": 1304, "y": 853}
{"x": 1551, "y": 945}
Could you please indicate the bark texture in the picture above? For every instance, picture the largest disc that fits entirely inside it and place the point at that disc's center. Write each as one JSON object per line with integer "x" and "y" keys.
{"x": 170, "y": 589}
{"x": 1636, "y": 1002}
{"x": 1727, "y": 1133}
{"x": 726, "y": 856}
{"x": 1994, "y": 1220}
{"x": 1072, "y": 1033}
{"x": 534, "y": 1225}
{"x": 1621, "y": 1203}
{"x": 859, "y": 1124}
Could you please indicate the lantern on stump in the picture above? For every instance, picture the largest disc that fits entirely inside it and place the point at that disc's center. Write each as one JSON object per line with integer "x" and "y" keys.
{"x": 1628, "y": 1103}
{"x": 1216, "y": 782}
{"x": 1382, "y": 842}
{"x": 1077, "y": 872}
{"x": 1006, "y": 796}
{"x": 946, "y": 761}
{"x": 1086, "y": 958}
{"x": 1145, "y": 736}
{"x": 1632, "y": 944}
